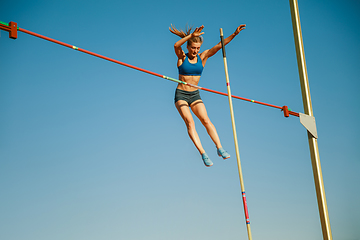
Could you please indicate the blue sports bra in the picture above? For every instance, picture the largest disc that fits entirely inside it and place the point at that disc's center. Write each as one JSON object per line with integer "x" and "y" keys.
{"x": 191, "y": 69}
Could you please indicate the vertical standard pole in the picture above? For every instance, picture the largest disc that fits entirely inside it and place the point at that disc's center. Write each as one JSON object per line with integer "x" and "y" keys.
{"x": 247, "y": 219}
{"x": 314, "y": 151}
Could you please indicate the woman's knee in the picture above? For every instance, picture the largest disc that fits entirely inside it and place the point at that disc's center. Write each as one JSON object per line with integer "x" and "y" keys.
{"x": 189, "y": 123}
{"x": 206, "y": 121}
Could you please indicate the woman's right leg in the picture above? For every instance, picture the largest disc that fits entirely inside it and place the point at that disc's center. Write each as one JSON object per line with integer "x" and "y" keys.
{"x": 184, "y": 110}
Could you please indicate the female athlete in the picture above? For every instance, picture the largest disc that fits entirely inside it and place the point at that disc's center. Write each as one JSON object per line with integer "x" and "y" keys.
{"x": 190, "y": 67}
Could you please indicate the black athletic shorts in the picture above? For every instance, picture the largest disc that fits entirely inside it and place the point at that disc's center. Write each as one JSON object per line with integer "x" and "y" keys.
{"x": 187, "y": 96}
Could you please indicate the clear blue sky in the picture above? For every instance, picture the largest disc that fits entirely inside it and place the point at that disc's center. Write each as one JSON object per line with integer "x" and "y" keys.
{"x": 94, "y": 150}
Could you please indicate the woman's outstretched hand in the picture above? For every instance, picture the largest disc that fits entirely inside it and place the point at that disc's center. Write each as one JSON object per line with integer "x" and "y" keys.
{"x": 197, "y": 32}
{"x": 239, "y": 29}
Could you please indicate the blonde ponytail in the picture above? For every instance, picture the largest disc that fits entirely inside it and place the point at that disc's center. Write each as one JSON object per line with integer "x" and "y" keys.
{"x": 183, "y": 34}
{"x": 180, "y": 32}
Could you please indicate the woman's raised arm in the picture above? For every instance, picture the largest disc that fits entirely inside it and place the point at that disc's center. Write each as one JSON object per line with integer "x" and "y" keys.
{"x": 211, "y": 52}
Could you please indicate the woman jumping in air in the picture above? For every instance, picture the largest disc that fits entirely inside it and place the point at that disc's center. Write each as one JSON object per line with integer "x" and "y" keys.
{"x": 190, "y": 67}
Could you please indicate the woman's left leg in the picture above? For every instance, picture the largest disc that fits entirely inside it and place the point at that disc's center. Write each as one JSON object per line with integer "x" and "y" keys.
{"x": 199, "y": 110}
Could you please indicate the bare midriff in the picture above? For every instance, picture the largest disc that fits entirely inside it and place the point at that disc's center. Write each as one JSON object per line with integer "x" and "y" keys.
{"x": 188, "y": 79}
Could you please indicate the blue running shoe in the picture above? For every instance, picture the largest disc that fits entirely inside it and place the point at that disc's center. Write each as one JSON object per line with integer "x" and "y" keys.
{"x": 206, "y": 160}
{"x": 222, "y": 153}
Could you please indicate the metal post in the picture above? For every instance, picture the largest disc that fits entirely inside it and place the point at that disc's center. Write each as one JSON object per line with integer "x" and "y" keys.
{"x": 314, "y": 151}
{"x": 247, "y": 219}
